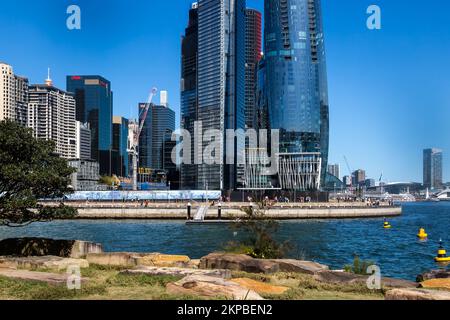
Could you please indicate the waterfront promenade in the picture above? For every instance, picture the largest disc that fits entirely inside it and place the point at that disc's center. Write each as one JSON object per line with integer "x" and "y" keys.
{"x": 231, "y": 210}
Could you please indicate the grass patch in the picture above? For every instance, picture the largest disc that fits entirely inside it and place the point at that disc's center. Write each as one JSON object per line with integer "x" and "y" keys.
{"x": 132, "y": 280}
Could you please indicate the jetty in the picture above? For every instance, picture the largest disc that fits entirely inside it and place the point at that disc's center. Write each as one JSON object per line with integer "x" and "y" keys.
{"x": 209, "y": 212}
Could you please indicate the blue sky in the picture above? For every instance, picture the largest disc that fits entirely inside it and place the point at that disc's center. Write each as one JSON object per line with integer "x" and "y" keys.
{"x": 389, "y": 89}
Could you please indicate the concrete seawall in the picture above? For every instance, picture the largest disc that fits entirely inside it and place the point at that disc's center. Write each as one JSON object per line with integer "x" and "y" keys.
{"x": 281, "y": 213}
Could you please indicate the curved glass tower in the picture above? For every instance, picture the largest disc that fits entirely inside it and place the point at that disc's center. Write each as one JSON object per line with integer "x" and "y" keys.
{"x": 296, "y": 88}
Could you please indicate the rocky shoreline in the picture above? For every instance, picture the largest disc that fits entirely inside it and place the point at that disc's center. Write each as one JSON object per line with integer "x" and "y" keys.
{"x": 217, "y": 275}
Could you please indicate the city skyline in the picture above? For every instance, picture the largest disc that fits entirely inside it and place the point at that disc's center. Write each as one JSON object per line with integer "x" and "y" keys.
{"x": 396, "y": 122}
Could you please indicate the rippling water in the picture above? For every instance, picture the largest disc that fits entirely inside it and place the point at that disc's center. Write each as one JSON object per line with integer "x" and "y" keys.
{"x": 333, "y": 242}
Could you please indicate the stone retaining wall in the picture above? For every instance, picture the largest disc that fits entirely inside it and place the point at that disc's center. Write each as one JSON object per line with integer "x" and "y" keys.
{"x": 227, "y": 214}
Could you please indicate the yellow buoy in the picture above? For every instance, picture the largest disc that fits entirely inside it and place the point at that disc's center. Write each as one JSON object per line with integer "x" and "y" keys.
{"x": 422, "y": 234}
{"x": 387, "y": 225}
{"x": 442, "y": 254}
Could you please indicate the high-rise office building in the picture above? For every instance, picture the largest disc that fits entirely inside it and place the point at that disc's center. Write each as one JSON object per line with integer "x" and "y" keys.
{"x": 83, "y": 134}
{"x": 219, "y": 87}
{"x": 253, "y": 49}
{"x": 94, "y": 105}
{"x": 296, "y": 88}
{"x": 13, "y": 95}
{"x": 159, "y": 123}
{"x": 119, "y": 158}
{"x": 335, "y": 170}
{"x": 51, "y": 115}
{"x": 359, "y": 177}
{"x": 432, "y": 168}
{"x": 189, "y": 103}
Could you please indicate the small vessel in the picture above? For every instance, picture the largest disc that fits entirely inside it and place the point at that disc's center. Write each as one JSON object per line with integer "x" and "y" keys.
{"x": 422, "y": 234}
{"x": 442, "y": 254}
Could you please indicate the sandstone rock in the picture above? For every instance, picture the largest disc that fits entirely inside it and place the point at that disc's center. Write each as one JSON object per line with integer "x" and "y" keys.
{"x": 340, "y": 277}
{"x": 50, "y": 262}
{"x": 173, "y": 271}
{"x": 237, "y": 262}
{"x": 25, "y": 247}
{"x": 260, "y": 287}
{"x": 436, "y": 283}
{"x": 194, "y": 264}
{"x": 299, "y": 266}
{"x": 118, "y": 259}
{"x": 211, "y": 287}
{"x": 434, "y": 274}
{"x": 50, "y": 278}
{"x": 417, "y": 294}
{"x": 162, "y": 260}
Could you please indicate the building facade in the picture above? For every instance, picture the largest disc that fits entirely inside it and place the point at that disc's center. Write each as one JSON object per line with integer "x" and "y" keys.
{"x": 189, "y": 101}
{"x": 119, "y": 158}
{"x": 159, "y": 123}
{"x": 253, "y": 49}
{"x": 86, "y": 176}
{"x": 51, "y": 115}
{"x": 296, "y": 78}
{"x": 335, "y": 170}
{"x": 94, "y": 105}
{"x": 432, "y": 168}
{"x": 213, "y": 88}
{"x": 13, "y": 95}
{"x": 83, "y": 133}
{"x": 359, "y": 178}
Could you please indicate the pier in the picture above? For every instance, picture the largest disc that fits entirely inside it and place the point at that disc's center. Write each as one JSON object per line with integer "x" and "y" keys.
{"x": 230, "y": 211}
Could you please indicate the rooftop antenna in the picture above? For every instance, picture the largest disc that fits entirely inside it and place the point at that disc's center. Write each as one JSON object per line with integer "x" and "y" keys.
{"x": 48, "y": 81}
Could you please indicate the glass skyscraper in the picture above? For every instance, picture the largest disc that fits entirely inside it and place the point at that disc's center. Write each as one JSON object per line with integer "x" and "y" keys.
{"x": 94, "y": 105}
{"x": 296, "y": 78}
{"x": 432, "y": 168}
{"x": 189, "y": 104}
{"x": 120, "y": 165}
{"x": 219, "y": 88}
{"x": 160, "y": 122}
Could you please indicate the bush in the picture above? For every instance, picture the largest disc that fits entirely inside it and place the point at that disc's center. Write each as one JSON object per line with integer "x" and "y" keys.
{"x": 259, "y": 231}
{"x": 359, "y": 266}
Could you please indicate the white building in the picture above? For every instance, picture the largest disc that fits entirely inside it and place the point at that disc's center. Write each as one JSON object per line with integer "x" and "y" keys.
{"x": 51, "y": 115}
{"x": 13, "y": 95}
{"x": 83, "y": 137}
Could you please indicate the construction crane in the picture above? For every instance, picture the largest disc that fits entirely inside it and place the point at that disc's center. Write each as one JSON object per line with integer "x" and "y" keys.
{"x": 137, "y": 133}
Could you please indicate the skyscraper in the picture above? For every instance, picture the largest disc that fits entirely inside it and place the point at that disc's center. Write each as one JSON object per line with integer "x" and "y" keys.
{"x": 159, "y": 123}
{"x": 253, "y": 49}
{"x": 13, "y": 95}
{"x": 432, "y": 168}
{"x": 51, "y": 115}
{"x": 335, "y": 170}
{"x": 83, "y": 133}
{"x": 120, "y": 165}
{"x": 189, "y": 103}
{"x": 94, "y": 104}
{"x": 219, "y": 86}
{"x": 296, "y": 78}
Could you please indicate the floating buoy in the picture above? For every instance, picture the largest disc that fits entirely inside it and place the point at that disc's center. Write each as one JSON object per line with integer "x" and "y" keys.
{"x": 422, "y": 234}
{"x": 387, "y": 225}
{"x": 442, "y": 254}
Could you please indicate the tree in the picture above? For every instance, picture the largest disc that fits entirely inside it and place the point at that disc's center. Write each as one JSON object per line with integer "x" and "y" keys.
{"x": 259, "y": 231}
{"x": 30, "y": 170}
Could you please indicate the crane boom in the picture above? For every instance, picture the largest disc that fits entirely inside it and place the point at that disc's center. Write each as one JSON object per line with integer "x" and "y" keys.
{"x": 145, "y": 112}
{"x": 138, "y": 130}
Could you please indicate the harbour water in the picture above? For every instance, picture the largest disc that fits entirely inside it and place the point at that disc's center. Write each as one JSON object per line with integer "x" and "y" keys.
{"x": 397, "y": 251}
